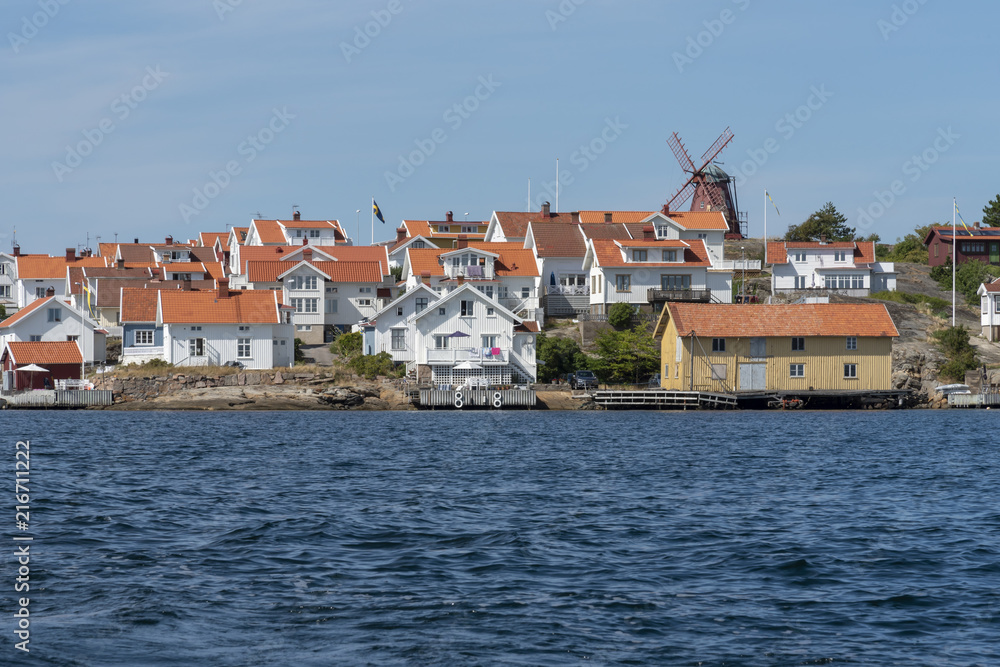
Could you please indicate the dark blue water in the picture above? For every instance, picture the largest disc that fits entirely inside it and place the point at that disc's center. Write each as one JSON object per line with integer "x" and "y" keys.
{"x": 509, "y": 538}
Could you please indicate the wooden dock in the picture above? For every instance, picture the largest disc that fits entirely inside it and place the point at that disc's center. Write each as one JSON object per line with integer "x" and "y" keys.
{"x": 973, "y": 400}
{"x": 464, "y": 399}
{"x": 54, "y": 399}
{"x": 664, "y": 399}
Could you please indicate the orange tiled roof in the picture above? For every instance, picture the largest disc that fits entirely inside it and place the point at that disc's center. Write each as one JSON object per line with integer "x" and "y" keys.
{"x": 341, "y": 272}
{"x": 423, "y": 260}
{"x": 515, "y": 224}
{"x": 358, "y": 253}
{"x": 138, "y": 304}
{"x": 208, "y": 239}
{"x": 429, "y": 228}
{"x": 821, "y": 319}
{"x": 106, "y": 249}
{"x": 261, "y": 253}
{"x": 37, "y": 304}
{"x": 115, "y": 272}
{"x": 76, "y": 279}
{"x": 241, "y": 234}
{"x": 513, "y": 259}
{"x": 268, "y": 231}
{"x": 609, "y": 254}
{"x": 310, "y": 224}
{"x": 700, "y": 219}
{"x": 240, "y": 307}
{"x": 527, "y": 326}
{"x": 41, "y": 267}
{"x": 993, "y": 287}
{"x": 45, "y": 353}
{"x": 602, "y": 230}
{"x": 556, "y": 240}
{"x": 621, "y": 217}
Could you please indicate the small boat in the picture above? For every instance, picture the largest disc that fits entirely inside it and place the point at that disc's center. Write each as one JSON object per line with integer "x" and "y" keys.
{"x": 946, "y": 389}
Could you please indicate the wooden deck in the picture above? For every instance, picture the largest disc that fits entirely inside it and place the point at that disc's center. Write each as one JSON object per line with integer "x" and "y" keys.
{"x": 663, "y": 399}
{"x": 55, "y": 399}
{"x": 465, "y": 399}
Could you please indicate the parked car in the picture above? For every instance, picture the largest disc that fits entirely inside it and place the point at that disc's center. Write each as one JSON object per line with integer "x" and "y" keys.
{"x": 584, "y": 380}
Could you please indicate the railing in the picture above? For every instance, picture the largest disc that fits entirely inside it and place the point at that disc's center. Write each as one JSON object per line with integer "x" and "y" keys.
{"x": 637, "y": 318}
{"x": 568, "y": 290}
{"x": 435, "y": 356}
{"x": 737, "y": 264}
{"x": 476, "y": 272}
{"x": 698, "y": 295}
{"x": 142, "y": 350}
{"x": 73, "y": 384}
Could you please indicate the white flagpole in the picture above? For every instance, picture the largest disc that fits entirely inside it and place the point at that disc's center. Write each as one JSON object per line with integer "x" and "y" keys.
{"x": 765, "y": 229}
{"x": 954, "y": 243}
{"x": 557, "y": 185}
{"x": 373, "y": 220}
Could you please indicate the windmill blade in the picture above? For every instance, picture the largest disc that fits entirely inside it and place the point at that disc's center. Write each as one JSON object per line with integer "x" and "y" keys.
{"x": 716, "y": 148}
{"x": 681, "y": 153}
{"x": 682, "y": 196}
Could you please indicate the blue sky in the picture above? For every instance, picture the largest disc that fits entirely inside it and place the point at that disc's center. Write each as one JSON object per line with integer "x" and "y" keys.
{"x": 156, "y": 119}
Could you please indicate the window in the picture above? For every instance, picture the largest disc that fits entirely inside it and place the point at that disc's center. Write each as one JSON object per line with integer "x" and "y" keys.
{"x": 638, "y": 255}
{"x": 243, "y": 348}
{"x": 298, "y": 233}
{"x": 302, "y": 282}
{"x": 331, "y": 306}
{"x": 244, "y": 328}
{"x": 3, "y": 269}
{"x": 72, "y": 339}
{"x": 421, "y": 303}
{"x": 331, "y": 290}
{"x": 443, "y": 229}
{"x": 195, "y": 328}
{"x": 4, "y": 290}
{"x": 364, "y": 290}
{"x": 797, "y": 370}
{"x": 314, "y": 233}
{"x": 364, "y": 302}
{"x": 39, "y": 292}
{"x": 469, "y": 229}
{"x": 442, "y": 342}
{"x": 418, "y": 244}
{"x": 973, "y": 248}
{"x": 181, "y": 276}
{"x": 852, "y": 342}
{"x": 490, "y": 340}
{"x": 490, "y": 312}
{"x": 798, "y": 344}
{"x": 671, "y": 282}
{"x": 442, "y": 310}
{"x": 850, "y": 371}
{"x": 305, "y": 305}
{"x": 36, "y": 339}
{"x": 623, "y": 283}
{"x": 703, "y": 236}
{"x": 144, "y": 337}
{"x": 196, "y": 347}
{"x": 55, "y": 315}
{"x": 669, "y": 255}
{"x": 800, "y": 282}
{"x": 303, "y": 327}
{"x": 399, "y": 339}
{"x": 798, "y": 257}
{"x": 468, "y": 308}
{"x": 718, "y": 345}
{"x": 840, "y": 256}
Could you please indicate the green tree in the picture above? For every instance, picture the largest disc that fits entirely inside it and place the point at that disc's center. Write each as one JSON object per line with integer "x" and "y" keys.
{"x": 299, "y": 354}
{"x": 991, "y": 213}
{"x": 559, "y": 356}
{"x": 954, "y": 344}
{"x": 969, "y": 276}
{"x": 626, "y": 356}
{"x": 620, "y": 315}
{"x": 827, "y": 221}
{"x": 909, "y": 249}
{"x": 347, "y": 344}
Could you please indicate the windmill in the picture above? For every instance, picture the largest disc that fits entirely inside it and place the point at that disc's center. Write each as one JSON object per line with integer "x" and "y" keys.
{"x": 712, "y": 188}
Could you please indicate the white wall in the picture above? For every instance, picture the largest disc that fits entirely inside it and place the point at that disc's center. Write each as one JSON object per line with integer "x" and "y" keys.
{"x": 221, "y": 344}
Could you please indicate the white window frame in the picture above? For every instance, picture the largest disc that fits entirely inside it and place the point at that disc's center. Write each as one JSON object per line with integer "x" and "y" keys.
{"x": 850, "y": 371}
{"x": 397, "y": 339}
{"x": 796, "y": 370}
{"x": 148, "y": 334}
{"x": 196, "y": 347}
{"x": 54, "y": 314}
{"x": 442, "y": 342}
{"x": 243, "y": 348}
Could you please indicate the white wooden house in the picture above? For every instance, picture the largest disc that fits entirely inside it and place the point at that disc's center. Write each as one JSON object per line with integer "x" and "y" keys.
{"x": 989, "y": 295}
{"x": 52, "y": 319}
{"x": 845, "y": 267}
{"x": 392, "y": 329}
{"x": 36, "y": 274}
{"x": 251, "y": 327}
{"x": 8, "y": 282}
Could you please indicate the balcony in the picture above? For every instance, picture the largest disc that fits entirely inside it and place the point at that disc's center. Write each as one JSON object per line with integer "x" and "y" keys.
{"x": 469, "y": 272}
{"x": 143, "y": 351}
{"x": 453, "y": 357}
{"x": 736, "y": 264}
{"x": 685, "y": 295}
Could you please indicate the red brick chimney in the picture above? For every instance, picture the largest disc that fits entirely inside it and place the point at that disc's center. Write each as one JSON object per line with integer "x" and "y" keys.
{"x": 50, "y": 292}
{"x": 223, "y": 288}
{"x": 296, "y": 216}
{"x": 607, "y": 217}
{"x": 307, "y": 254}
{"x": 305, "y": 241}
{"x": 120, "y": 263}
{"x": 449, "y": 216}
{"x": 400, "y": 234}
{"x": 463, "y": 241}
{"x": 17, "y": 250}
{"x": 170, "y": 240}
{"x": 70, "y": 255}
{"x": 425, "y": 278}
{"x": 576, "y": 217}
{"x": 545, "y": 210}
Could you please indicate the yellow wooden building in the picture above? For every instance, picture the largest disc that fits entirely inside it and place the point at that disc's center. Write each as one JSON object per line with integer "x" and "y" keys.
{"x": 796, "y": 347}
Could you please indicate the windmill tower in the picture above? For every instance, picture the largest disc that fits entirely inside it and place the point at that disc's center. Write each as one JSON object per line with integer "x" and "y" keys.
{"x": 712, "y": 188}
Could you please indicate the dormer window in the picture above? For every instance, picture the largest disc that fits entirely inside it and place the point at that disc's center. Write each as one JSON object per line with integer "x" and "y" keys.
{"x": 799, "y": 257}
{"x": 669, "y": 255}
{"x": 638, "y": 255}
{"x": 298, "y": 233}
{"x": 468, "y": 229}
{"x": 662, "y": 231}
{"x": 314, "y": 233}
{"x": 840, "y": 256}
{"x": 443, "y": 229}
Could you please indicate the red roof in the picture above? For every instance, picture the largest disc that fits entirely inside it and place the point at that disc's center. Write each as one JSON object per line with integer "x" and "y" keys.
{"x": 782, "y": 320}
{"x": 513, "y": 259}
{"x": 609, "y": 254}
{"x": 993, "y": 287}
{"x": 864, "y": 251}
{"x": 618, "y": 217}
{"x": 358, "y": 253}
{"x": 555, "y": 240}
{"x": 138, "y": 304}
{"x": 40, "y": 267}
{"x": 340, "y": 272}
{"x": 527, "y": 326}
{"x": 515, "y": 224}
{"x": 240, "y": 307}
{"x": 45, "y": 353}
{"x": 268, "y": 231}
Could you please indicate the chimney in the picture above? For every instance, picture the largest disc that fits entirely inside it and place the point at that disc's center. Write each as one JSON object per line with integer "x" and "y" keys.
{"x": 648, "y": 233}
{"x": 186, "y": 285}
{"x": 17, "y": 250}
{"x": 976, "y": 225}
{"x": 449, "y": 216}
{"x": 170, "y": 240}
{"x": 666, "y": 209}
{"x": 305, "y": 241}
{"x": 463, "y": 241}
{"x": 120, "y": 264}
{"x": 135, "y": 241}
{"x": 70, "y": 255}
{"x": 400, "y": 234}
{"x": 296, "y": 216}
{"x": 607, "y": 217}
{"x": 545, "y": 210}
{"x": 425, "y": 278}
{"x": 50, "y": 292}
{"x": 822, "y": 239}
{"x": 307, "y": 254}
{"x": 576, "y": 217}
{"x": 461, "y": 280}
{"x": 223, "y": 288}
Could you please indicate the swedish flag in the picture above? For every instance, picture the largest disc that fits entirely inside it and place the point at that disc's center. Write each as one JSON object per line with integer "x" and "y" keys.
{"x": 377, "y": 211}
{"x": 962, "y": 220}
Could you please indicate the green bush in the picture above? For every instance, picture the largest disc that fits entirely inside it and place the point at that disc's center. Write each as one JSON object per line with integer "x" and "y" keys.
{"x": 347, "y": 344}
{"x": 300, "y": 356}
{"x": 969, "y": 276}
{"x": 559, "y": 356}
{"x": 954, "y": 344}
{"x": 372, "y": 365}
{"x": 940, "y": 307}
{"x": 620, "y": 315}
